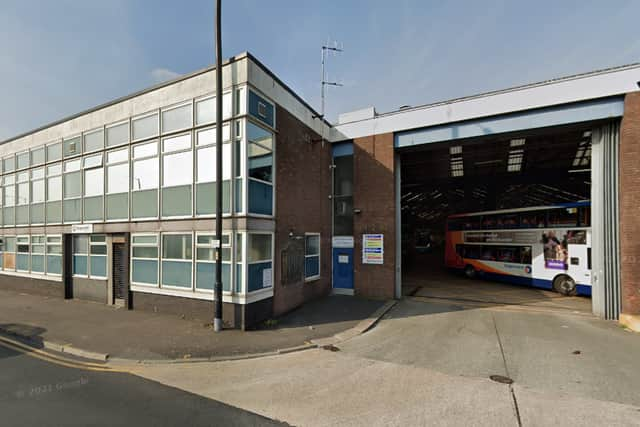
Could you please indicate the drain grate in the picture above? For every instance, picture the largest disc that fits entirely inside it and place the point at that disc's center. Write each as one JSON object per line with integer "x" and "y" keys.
{"x": 501, "y": 379}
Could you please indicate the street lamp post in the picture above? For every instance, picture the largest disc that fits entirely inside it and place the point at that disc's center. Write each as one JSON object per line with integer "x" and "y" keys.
{"x": 217, "y": 321}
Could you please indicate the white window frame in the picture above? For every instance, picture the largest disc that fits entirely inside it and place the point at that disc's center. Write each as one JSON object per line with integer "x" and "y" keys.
{"x": 161, "y": 185}
{"x": 105, "y": 256}
{"x": 229, "y": 141}
{"x": 231, "y": 262}
{"x": 129, "y": 166}
{"x": 74, "y": 253}
{"x": 126, "y": 122}
{"x": 161, "y": 259}
{"x": 245, "y": 146}
{"x": 157, "y": 245}
{"x": 189, "y": 103}
{"x": 28, "y": 253}
{"x": 319, "y": 255}
{"x": 158, "y": 157}
{"x": 247, "y": 262}
{"x": 141, "y": 117}
{"x": 61, "y": 255}
{"x": 42, "y": 244}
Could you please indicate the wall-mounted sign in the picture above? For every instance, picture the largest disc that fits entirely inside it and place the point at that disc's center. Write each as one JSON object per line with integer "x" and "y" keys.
{"x": 372, "y": 248}
{"x": 342, "y": 241}
{"x": 82, "y": 228}
{"x": 266, "y": 278}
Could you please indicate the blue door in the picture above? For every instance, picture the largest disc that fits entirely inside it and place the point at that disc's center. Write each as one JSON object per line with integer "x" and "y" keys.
{"x": 343, "y": 268}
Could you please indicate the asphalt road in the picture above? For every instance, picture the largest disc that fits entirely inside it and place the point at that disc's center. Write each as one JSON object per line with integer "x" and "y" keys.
{"x": 35, "y": 392}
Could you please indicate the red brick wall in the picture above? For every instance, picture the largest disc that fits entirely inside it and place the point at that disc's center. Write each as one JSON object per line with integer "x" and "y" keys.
{"x": 630, "y": 204}
{"x": 303, "y": 186}
{"x": 374, "y": 195}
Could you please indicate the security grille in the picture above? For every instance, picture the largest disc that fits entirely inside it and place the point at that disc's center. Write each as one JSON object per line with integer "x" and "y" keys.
{"x": 293, "y": 262}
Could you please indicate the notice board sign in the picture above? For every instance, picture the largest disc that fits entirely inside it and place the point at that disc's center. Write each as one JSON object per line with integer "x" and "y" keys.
{"x": 372, "y": 248}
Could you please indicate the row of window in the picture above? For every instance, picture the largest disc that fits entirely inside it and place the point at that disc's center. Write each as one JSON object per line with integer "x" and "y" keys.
{"x": 194, "y": 113}
{"x": 555, "y": 217}
{"x": 35, "y": 254}
{"x": 514, "y": 254}
{"x": 184, "y": 261}
{"x": 128, "y": 183}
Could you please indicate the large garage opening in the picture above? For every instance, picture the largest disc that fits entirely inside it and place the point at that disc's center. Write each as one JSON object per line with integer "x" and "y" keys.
{"x": 530, "y": 196}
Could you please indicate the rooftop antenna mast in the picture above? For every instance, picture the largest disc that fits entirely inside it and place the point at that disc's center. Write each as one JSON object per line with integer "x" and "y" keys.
{"x": 326, "y": 49}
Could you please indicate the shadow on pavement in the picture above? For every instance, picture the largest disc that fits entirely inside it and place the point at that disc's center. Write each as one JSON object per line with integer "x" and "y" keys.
{"x": 26, "y": 334}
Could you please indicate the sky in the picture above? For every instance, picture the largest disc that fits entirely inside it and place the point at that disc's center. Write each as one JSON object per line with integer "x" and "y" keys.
{"x": 59, "y": 58}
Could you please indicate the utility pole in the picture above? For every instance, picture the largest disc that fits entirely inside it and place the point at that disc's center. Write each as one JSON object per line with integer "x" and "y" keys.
{"x": 217, "y": 298}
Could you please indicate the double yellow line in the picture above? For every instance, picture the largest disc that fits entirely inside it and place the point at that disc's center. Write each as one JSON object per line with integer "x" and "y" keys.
{"x": 55, "y": 359}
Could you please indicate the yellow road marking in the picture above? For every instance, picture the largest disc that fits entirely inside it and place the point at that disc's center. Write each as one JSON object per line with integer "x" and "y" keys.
{"x": 48, "y": 357}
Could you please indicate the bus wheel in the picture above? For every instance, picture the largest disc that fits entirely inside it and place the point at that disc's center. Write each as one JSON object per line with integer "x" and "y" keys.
{"x": 564, "y": 285}
{"x": 469, "y": 271}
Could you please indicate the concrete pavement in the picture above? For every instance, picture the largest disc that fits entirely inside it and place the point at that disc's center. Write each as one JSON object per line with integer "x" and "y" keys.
{"x": 139, "y": 335}
{"x": 429, "y": 364}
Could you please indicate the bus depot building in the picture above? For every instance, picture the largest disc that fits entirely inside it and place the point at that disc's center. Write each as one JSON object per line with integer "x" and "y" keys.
{"x": 536, "y": 183}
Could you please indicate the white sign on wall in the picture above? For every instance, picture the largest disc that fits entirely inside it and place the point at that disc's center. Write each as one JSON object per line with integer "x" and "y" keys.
{"x": 266, "y": 278}
{"x": 342, "y": 241}
{"x": 373, "y": 249}
{"x": 82, "y": 228}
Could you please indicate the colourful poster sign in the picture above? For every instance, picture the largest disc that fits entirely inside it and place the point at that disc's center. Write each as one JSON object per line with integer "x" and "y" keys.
{"x": 372, "y": 248}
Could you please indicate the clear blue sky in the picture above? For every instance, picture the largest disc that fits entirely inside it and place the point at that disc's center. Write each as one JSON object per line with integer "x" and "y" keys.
{"x": 57, "y": 58}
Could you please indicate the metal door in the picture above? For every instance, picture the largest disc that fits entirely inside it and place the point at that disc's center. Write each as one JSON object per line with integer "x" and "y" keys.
{"x": 120, "y": 271}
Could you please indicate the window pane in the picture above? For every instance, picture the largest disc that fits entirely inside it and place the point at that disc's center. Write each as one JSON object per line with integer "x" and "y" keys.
{"x": 257, "y": 274}
{"x": 72, "y": 165}
{"x": 37, "y": 173}
{"x": 72, "y": 210}
{"x": 145, "y": 252}
{"x": 80, "y": 244}
{"x": 80, "y": 265}
{"x": 54, "y": 212}
{"x": 23, "y": 160}
{"x": 54, "y": 188}
{"x": 98, "y": 266}
{"x": 93, "y": 161}
{"x": 117, "y": 206}
{"x": 93, "y": 208}
{"x": 177, "y": 143}
{"x": 23, "y": 194}
{"x": 206, "y": 274}
{"x": 93, "y": 182}
{"x": 94, "y": 141}
{"x": 72, "y": 185}
{"x": 145, "y": 127}
{"x": 145, "y": 239}
{"x": 9, "y": 164}
{"x": 260, "y": 198}
{"x": 54, "y": 152}
{"x": 176, "y": 273}
{"x": 98, "y": 238}
{"x": 118, "y": 156}
{"x": 259, "y": 247}
{"x": 145, "y": 150}
{"x": 312, "y": 246}
{"x": 206, "y": 198}
{"x": 176, "y": 201}
{"x": 37, "y": 213}
{"x": 177, "y": 169}
{"x": 176, "y": 118}
{"x": 311, "y": 266}
{"x": 144, "y": 204}
{"x": 208, "y": 136}
{"x": 145, "y": 174}
{"x": 227, "y": 102}
{"x": 206, "y": 111}
{"x": 118, "y": 178}
{"x": 37, "y": 156}
{"x": 71, "y": 147}
{"x": 54, "y": 264}
{"x": 176, "y": 246}
{"x": 144, "y": 271}
{"x": 207, "y": 163}
{"x": 118, "y": 134}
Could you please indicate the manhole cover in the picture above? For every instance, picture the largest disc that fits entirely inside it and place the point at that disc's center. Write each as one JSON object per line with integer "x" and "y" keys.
{"x": 501, "y": 379}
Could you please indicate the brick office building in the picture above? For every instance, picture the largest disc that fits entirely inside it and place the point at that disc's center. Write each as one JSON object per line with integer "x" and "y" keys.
{"x": 98, "y": 206}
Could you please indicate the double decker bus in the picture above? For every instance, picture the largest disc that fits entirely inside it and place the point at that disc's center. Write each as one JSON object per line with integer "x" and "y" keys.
{"x": 546, "y": 247}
